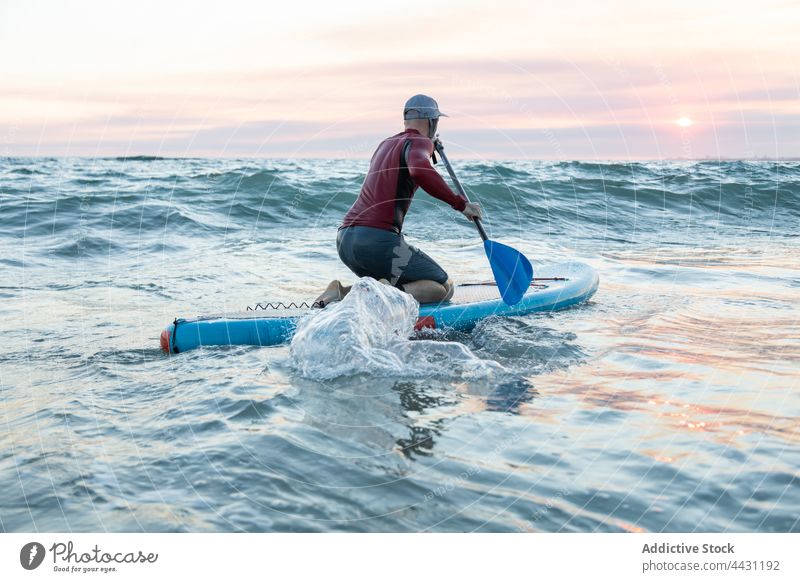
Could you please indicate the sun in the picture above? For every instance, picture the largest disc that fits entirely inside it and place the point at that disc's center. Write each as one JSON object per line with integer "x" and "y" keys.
{"x": 685, "y": 122}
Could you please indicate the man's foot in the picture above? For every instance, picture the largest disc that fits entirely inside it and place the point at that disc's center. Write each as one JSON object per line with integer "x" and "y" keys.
{"x": 333, "y": 292}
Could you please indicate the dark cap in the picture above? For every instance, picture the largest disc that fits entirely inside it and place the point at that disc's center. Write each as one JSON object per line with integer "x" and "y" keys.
{"x": 422, "y": 107}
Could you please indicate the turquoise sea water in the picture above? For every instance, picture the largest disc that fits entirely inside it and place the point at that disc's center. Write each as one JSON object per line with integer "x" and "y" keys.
{"x": 670, "y": 402}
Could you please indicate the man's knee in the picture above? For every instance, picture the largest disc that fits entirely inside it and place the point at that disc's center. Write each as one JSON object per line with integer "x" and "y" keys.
{"x": 449, "y": 289}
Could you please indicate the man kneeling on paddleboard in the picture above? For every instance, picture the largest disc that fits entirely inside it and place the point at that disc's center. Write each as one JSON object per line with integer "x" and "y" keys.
{"x": 370, "y": 240}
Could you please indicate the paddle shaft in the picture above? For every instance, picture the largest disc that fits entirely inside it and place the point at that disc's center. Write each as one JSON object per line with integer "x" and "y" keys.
{"x": 440, "y": 148}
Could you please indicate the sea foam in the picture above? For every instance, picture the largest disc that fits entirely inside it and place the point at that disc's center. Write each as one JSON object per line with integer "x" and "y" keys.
{"x": 368, "y": 333}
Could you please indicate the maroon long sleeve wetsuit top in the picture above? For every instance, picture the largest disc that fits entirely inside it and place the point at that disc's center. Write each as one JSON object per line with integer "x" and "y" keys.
{"x": 399, "y": 166}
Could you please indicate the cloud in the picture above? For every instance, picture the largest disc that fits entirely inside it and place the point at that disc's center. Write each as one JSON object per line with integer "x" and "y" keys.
{"x": 594, "y": 80}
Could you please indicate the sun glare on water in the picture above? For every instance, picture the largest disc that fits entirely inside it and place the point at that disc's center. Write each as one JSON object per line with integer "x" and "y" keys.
{"x": 685, "y": 122}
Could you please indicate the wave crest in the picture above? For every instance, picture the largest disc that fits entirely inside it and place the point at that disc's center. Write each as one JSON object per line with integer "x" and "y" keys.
{"x": 368, "y": 333}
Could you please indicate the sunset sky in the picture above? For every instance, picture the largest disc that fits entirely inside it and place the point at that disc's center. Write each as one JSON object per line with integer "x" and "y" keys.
{"x": 531, "y": 80}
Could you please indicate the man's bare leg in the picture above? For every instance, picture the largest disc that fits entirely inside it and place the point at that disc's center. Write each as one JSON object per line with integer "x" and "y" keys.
{"x": 430, "y": 291}
{"x": 335, "y": 291}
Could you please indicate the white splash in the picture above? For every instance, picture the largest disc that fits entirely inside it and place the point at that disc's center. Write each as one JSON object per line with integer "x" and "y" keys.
{"x": 368, "y": 333}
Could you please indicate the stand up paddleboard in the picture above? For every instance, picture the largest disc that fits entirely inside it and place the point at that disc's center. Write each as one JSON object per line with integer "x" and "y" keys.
{"x": 555, "y": 287}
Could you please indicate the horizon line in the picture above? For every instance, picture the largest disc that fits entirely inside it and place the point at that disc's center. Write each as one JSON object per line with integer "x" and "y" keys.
{"x": 155, "y": 157}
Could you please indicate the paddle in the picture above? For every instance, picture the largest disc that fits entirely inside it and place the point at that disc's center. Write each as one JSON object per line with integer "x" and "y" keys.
{"x": 512, "y": 270}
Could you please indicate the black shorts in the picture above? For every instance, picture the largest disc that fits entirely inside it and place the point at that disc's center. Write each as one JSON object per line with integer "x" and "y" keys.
{"x": 383, "y": 254}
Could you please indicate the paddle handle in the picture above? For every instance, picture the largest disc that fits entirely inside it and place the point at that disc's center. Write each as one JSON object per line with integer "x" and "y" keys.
{"x": 440, "y": 149}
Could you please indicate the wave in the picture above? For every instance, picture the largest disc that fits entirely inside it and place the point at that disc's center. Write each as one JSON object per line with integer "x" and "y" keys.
{"x": 366, "y": 333}
{"x": 595, "y": 199}
{"x": 85, "y": 246}
{"x": 734, "y": 189}
{"x": 26, "y": 171}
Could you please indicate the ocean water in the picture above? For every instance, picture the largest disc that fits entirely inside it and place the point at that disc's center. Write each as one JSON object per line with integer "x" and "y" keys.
{"x": 669, "y": 402}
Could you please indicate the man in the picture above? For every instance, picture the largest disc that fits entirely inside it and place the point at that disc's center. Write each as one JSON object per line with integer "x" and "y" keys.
{"x": 370, "y": 240}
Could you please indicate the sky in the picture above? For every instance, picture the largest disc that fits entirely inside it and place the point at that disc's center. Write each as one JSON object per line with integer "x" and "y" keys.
{"x": 519, "y": 80}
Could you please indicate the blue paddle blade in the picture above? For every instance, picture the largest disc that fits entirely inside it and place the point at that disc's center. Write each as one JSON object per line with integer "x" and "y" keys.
{"x": 512, "y": 271}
